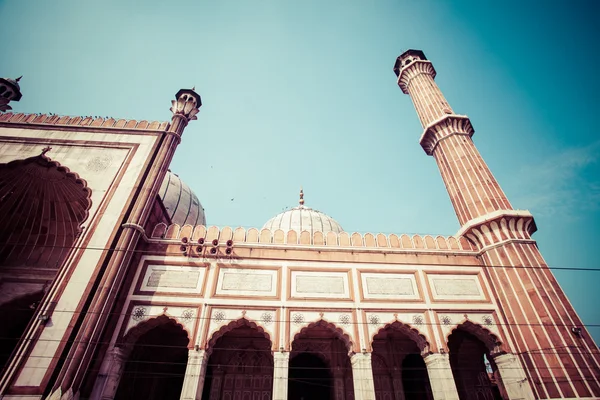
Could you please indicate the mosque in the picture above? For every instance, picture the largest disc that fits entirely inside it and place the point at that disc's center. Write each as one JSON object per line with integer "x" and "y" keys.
{"x": 112, "y": 285}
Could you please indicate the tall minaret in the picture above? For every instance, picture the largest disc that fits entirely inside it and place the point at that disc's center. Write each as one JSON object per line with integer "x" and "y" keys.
{"x": 447, "y": 137}
{"x": 559, "y": 356}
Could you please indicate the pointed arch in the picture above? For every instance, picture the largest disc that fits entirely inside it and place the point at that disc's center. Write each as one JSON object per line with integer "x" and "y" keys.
{"x": 134, "y": 333}
{"x": 43, "y": 206}
{"x": 412, "y": 333}
{"x": 230, "y": 327}
{"x": 490, "y": 340}
{"x": 322, "y": 323}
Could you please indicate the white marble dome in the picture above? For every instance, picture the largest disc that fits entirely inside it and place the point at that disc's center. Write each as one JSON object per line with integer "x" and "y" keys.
{"x": 181, "y": 204}
{"x": 303, "y": 218}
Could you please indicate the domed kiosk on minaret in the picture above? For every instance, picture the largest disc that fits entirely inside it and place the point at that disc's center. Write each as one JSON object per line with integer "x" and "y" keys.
{"x": 302, "y": 218}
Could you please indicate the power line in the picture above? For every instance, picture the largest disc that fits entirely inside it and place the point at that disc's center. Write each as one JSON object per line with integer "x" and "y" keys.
{"x": 308, "y": 247}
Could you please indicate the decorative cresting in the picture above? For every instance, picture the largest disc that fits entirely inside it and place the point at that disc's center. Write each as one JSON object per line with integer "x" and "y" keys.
{"x": 42, "y": 208}
{"x": 499, "y": 227}
{"x": 171, "y": 233}
{"x": 79, "y": 122}
{"x": 186, "y": 105}
{"x": 443, "y": 128}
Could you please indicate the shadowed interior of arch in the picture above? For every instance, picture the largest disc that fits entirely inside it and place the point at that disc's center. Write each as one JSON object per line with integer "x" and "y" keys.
{"x": 399, "y": 371}
{"x": 240, "y": 365}
{"x": 471, "y": 375}
{"x": 156, "y": 365}
{"x": 42, "y": 208}
{"x": 15, "y": 315}
{"x": 319, "y": 365}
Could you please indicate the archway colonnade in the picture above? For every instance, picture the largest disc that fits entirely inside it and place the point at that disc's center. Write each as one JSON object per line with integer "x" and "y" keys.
{"x": 155, "y": 361}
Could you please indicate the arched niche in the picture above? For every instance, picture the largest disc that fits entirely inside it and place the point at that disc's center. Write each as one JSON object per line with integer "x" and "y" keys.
{"x": 471, "y": 349}
{"x": 320, "y": 356}
{"x": 156, "y": 354}
{"x": 240, "y": 363}
{"x": 399, "y": 371}
{"x": 42, "y": 208}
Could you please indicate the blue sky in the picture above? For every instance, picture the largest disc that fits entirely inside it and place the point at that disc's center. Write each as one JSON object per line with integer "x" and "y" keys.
{"x": 303, "y": 93}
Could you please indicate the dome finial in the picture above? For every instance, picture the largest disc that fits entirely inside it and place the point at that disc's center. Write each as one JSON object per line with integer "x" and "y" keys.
{"x": 301, "y": 202}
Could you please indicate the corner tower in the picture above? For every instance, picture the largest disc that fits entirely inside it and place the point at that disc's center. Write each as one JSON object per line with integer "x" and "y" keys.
{"x": 560, "y": 357}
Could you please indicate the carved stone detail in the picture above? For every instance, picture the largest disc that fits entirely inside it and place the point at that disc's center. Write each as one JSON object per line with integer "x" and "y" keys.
{"x": 413, "y": 69}
{"x": 498, "y": 227}
{"x": 444, "y": 128}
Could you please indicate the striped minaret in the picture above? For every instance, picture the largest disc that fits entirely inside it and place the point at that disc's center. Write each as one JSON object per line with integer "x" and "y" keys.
{"x": 560, "y": 357}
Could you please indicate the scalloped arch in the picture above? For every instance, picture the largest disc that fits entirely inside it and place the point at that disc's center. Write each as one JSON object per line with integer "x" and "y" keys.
{"x": 412, "y": 333}
{"x": 136, "y": 331}
{"x": 338, "y": 332}
{"x": 42, "y": 208}
{"x": 490, "y": 340}
{"x": 231, "y": 326}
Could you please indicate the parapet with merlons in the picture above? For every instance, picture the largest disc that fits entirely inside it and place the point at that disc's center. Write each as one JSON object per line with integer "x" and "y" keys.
{"x": 192, "y": 234}
{"x": 79, "y": 122}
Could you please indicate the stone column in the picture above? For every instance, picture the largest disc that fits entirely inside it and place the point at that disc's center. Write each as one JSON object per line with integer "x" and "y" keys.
{"x": 362, "y": 375}
{"x": 440, "y": 377}
{"x": 107, "y": 382}
{"x": 513, "y": 377}
{"x": 281, "y": 364}
{"x": 193, "y": 382}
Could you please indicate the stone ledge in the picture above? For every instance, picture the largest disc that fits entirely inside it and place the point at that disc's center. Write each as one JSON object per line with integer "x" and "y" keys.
{"x": 443, "y": 128}
{"x": 499, "y": 226}
{"x": 413, "y": 69}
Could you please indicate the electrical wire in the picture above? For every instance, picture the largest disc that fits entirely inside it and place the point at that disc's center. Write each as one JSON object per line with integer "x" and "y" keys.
{"x": 233, "y": 257}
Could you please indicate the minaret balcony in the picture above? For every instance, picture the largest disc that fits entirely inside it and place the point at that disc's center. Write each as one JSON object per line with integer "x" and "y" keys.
{"x": 443, "y": 128}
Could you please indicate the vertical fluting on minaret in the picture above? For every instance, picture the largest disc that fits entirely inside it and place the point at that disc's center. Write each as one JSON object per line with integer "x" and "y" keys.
{"x": 472, "y": 188}
{"x": 558, "y": 362}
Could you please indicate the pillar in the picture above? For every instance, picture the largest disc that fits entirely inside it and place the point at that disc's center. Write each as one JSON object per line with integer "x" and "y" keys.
{"x": 195, "y": 372}
{"x": 281, "y": 365}
{"x": 109, "y": 376}
{"x": 513, "y": 377}
{"x": 362, "y": 376}
{"x": 441, "y": 379}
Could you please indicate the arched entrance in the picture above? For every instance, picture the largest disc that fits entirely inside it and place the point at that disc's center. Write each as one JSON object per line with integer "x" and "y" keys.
{"x": 319, "y": 365}
{"x": 15, "y": 315}
{"x": 42, "y": 208}
{"x": 468, "y": 355}
{"x": 399, "y": 371}
{"x": 309, "y": 378}
{"x": 240, "y": 365}
{"x": 156, "y": 364}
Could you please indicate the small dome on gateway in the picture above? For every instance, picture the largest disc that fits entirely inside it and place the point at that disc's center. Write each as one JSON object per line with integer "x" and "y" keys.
{"x": 181, "y": 204}
{"x": 303, "y": 218}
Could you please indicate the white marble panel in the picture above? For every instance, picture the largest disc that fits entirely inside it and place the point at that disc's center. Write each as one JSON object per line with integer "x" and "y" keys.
{"x": 389, "y": 286}
{"x": 308, "y": 284}
{"x": 455, "y": 287}
{"x": 173, "y": 279}
{"x": 247, "y": 282}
